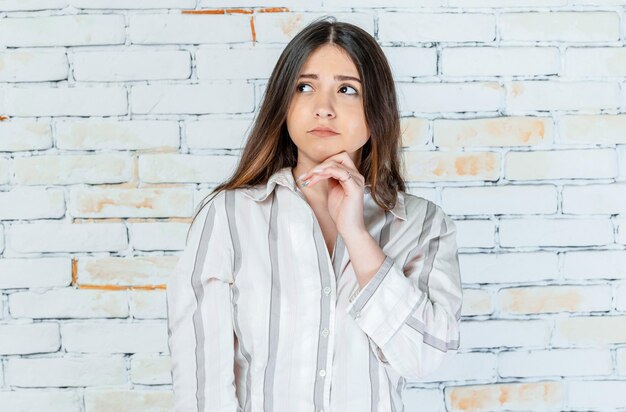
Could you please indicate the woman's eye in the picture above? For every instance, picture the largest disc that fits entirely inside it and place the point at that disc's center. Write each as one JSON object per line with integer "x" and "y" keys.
{"x": 300, "y": 85}
{"x": 342, "y": 87}
{"x": 350, "y": 87}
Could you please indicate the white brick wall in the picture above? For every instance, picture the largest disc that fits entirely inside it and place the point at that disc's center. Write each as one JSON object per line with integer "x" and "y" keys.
{"x": 514, "y": 119}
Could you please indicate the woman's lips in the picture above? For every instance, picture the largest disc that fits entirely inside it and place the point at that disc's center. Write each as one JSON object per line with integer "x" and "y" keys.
{"x": 323, "y": 133}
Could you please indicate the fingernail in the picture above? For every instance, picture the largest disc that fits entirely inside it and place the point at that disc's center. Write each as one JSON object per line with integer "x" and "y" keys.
{"x": 301, "y": 176}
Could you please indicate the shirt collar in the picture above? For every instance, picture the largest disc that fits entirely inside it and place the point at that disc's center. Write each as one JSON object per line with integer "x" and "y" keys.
{"x": 284, "y": 177}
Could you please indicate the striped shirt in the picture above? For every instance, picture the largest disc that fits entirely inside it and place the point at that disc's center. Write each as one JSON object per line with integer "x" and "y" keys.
{"x": 262, "y": 318}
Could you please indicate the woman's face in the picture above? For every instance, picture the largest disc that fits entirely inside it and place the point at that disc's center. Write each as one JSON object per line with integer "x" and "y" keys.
{"x": 320, "y": 99}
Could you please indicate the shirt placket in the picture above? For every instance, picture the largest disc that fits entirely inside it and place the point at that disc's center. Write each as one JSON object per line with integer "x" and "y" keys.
{"x": 327, "y": 321}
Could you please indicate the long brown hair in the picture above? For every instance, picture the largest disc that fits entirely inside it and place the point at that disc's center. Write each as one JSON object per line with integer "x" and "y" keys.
{"x": 269, "y": 148}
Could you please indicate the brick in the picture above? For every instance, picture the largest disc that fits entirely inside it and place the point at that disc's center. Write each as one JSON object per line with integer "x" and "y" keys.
{"x": 561, "y": 164}
{"x": 595, "y": 61}
{"x": 594, "y": 264}
{"x": 28, "y": 5}
{"x": 475, "y": 233}
{"x": 415, "y": 132}
{"x": 148, "y": 304}
{"x": 73, "y": 169}
{"x": 425, "y": 398}
{"x": 141, "y": 4}
{"x": 555, "y": 363}
{"x": 621, "y": 360}
{"x": 29, "y": 338}
{"x": 589, "y": 331}
{"x": 136, "y": 202}
{"x": 217, "y": 133}
{"x": 110, "y": 337}
{"x": 25, "y": 135}
{"x": 509, "y": 267}
{"x": 594, "y": 199}
{"x": 180, "y": 168}
{"x": 67, "y": 237}
{"x": 150, "y": 370}
{"x": 526, "y": 396}
{"x": 282, "y": 27}
{"x": 119, "y": 66}
{"x": 31, "y": 66}
{"x": 549, "y": 95}
{"x": 69, "y": 30}
{"x": 428, "y": 166}
{"x": 136, "y": 400}
{"x": 67, "y": 371}
{"x": 554, "y": 299}
{"x": 152, "y": 236}
{"x": 188, "y": 28}
{"x": 500, "y": 61}
{"x": 621, "y": 230}
{"x": 193, "y": 98}
{"x": 621, "y": 154}
{"x": 436, "y": 27}
{"x": 620, "y": 296}
{"x": 65, "y": 101}
{"x": 406, "y": 62}
{"x": 250, "y": 62}
{"x": 508, "y": 131}
{"x": 4, "y": 170}
{"x": 61, "y": 400}
{"x": 505, "y": 333}
{"x": 503, "y": 199}
{"x": 605, "y": 394}
{"x": 125, "y": 271}
{"x": 449, "y": 97}
{"x": 32, "y": 203}
{"x": 565, "y": 26}
{"x": 537, "y": 232}
{"x": 465, "y": 367}
{"x": 498, "y": 3}
{"x": 476, "y": 302}
{"x": 42, "y": 272}
{"x": 156, "y": 135}
{"x": 600, "y": 128}
{"x": 69, "y": 303}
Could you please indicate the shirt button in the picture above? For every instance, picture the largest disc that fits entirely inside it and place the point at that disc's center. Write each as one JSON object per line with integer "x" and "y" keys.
{"x": 326, "y": 290}
{"x": 325, "y": 332}
{"x": 322, "y": 373}
{"x": 357, "y": 315}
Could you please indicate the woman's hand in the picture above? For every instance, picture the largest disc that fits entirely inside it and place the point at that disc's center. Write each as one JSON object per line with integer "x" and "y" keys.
{"x": 345, "y": 193}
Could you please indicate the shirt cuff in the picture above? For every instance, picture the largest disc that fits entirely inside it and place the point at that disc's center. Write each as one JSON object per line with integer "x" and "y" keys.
{"x": 382, "y": 306}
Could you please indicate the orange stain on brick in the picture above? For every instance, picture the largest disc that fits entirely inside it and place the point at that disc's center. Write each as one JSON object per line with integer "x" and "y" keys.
{"x": 518, "y": 395}
{"x": 252, "y": 29}
{"x": 238, "y": 11}
{"x": 117, "y": 287}
{"x": 291, "y": 25}
{"x": 273, "y": 10}
{"x": 474, "y": 164}
{"x": 517, "y": 89}
{"x": 219, "y": 11}
{"x": 95, "y": 205}
{"x": 551, "y": 299}
{"x": 74, "y": 271}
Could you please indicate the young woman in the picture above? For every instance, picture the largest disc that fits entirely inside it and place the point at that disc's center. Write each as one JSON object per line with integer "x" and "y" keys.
{"x": 311, "y": 281}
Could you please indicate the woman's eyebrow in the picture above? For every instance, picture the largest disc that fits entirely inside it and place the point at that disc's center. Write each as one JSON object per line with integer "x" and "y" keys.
{"x": 337, "y": 77}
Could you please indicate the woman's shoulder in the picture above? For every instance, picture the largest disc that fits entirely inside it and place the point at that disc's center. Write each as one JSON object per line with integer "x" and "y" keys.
{"x": 421, "y": 207}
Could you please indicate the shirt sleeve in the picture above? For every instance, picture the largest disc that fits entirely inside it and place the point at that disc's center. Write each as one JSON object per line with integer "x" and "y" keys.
{"x": 200, "y": 325}
{"x": 411, "y": 311}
